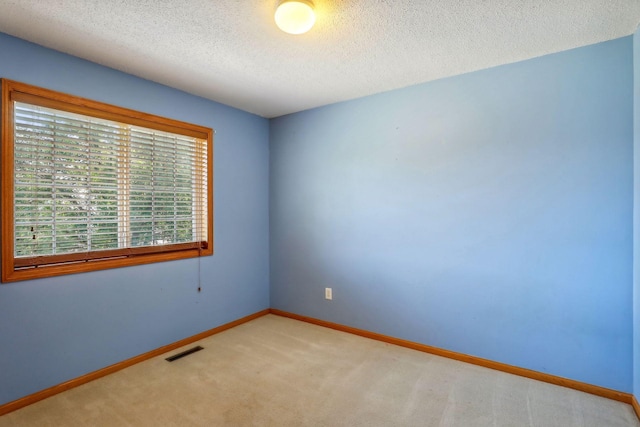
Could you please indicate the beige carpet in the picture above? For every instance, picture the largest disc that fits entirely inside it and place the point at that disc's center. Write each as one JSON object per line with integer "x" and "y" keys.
{"x": 275, "y": 371}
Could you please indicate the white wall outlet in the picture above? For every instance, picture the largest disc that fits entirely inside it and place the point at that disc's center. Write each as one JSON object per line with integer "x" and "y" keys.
{"x": 328, "y": 293}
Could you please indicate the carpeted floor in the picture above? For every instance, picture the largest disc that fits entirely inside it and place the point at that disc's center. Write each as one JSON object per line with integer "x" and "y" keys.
{"x": 275, "y": 371}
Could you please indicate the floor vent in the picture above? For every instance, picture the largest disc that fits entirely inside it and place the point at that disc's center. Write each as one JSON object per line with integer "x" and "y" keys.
{"x": 183, "y": 354}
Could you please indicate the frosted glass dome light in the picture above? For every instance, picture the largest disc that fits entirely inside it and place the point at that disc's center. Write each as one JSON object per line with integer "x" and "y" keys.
{"x": 295, "y": 16}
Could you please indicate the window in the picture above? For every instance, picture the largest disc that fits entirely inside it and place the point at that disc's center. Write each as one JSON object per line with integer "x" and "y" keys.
{"x": 88, "y": 186}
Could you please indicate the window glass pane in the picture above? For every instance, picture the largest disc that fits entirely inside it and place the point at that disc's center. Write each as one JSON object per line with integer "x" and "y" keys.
{"x": 84, "y": 184}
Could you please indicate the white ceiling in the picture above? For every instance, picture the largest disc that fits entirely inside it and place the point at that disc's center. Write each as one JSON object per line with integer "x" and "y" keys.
{"x": 231, "y": 51}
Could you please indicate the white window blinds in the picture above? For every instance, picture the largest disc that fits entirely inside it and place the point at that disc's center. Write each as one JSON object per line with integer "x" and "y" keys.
{"x": 85, "y": 186}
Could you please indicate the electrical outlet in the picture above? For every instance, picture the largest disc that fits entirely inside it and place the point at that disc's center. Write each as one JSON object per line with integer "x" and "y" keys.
{"x": 328, "y": 294}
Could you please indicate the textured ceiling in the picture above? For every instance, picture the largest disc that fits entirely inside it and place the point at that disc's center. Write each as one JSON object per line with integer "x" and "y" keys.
{"x": 231, "y": 51}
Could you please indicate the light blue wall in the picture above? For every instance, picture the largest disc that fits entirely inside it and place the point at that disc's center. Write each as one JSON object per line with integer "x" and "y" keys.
{"x": 636, "y": 214}
{"x": 489, "y": 213}
{"x": 52, "y": 330}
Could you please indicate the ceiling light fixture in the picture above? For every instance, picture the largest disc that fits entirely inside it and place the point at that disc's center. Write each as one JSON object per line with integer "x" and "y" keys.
{"x": 295, "y": 16}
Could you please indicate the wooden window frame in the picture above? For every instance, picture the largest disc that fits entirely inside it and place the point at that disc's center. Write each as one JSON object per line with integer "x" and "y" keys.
{"x": 13, "y": 269}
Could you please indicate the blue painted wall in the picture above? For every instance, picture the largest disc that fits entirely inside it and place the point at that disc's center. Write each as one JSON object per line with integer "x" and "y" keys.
{"x": 636, "y": 214}
{"x": 53, "y": 330}
{"x": 489, "y": 213}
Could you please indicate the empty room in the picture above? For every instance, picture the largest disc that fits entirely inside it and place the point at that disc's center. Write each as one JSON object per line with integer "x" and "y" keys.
{"x": 320, "y": 213}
